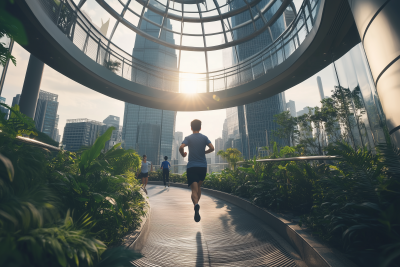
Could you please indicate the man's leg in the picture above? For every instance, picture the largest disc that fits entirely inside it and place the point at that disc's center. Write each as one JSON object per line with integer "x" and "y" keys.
{"x": 199, "y": 190}
{"x": 167, "y": 174}
{"x": 145, "y": 181}
{"x": 195, "y": 198}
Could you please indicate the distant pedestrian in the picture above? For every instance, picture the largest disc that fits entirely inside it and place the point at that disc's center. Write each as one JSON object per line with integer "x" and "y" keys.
{"x": 144, "y": 172}
{"x": 197, "y": 165}
{"x": 165, "y": 171}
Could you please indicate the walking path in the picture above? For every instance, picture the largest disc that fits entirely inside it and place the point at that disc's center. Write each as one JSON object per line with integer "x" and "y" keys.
{"x": 226, "y": 235}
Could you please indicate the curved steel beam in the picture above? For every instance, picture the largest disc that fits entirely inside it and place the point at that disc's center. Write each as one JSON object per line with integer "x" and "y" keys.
{"x": 47, "y": 42}
{"x": 122, "y": 20}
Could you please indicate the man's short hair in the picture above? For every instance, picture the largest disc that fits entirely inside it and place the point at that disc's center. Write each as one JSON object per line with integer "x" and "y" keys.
{"x": 196, "y": 125}
{"x": 165, "y": 157}
{"x": 144, "y": 156}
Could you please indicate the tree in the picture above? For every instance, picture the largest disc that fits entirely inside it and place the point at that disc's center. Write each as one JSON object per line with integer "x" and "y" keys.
{"x": 232, "y": 155}
{"x": 287, "y": 128}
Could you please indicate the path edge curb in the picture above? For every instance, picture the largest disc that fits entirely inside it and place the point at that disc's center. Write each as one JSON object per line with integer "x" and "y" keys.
{"x": 137, "y": 239}
{"x": 312, "y": 252}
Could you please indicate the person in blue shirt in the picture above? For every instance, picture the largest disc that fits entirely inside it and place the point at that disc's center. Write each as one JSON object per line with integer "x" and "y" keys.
{"x": 165, "y": 171}
{"x": 197, "y": 164}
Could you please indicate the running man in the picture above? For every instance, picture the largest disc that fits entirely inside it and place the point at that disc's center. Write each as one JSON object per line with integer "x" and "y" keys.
{"x": 165, "y": 171}
{"x": 197, "y": 165}
{"x": 144, "y": 172}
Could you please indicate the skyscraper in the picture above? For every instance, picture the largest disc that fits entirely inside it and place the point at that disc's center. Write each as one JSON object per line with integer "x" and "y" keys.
{"x": 291, "y": 106}
{"x": 46, "y": 118}
{"x": 16, "y": 100}
{"x": 150, "y": 131}
{"x": 255, "y": 120}
{"x": 219, "y": 145}
{"x": 116, "y": 136}
{"x": 81, "y": 132}
{"x": 320, "y": 88}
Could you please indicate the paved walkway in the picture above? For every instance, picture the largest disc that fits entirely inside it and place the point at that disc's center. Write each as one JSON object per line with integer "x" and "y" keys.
{"x": 226, "y": 235}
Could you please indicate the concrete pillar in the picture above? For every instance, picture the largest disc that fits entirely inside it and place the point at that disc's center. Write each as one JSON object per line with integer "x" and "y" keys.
{"x": 30, "y": 90}
{"x": 378, "y": 24}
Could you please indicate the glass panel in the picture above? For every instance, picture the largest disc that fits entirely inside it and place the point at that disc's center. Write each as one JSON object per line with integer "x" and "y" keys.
{"x": 136, "y": 7}
{"x": 309, "y": 24}
{"x": 212, "y": 27}
{"x": 172, "y": 25}
{"x": 98, "y": 16}
{"x": 214, "y": 40}
{"x": 190, "y": 8}
{"x": 132, "y": 18}
{"x": 193, "y": 61}
{"x": 302, "y": 34}
{"x": 289, "y": 48}
{"x": 193, "y": 41}
{"x": 124, "y": 38}
{"x": 116, "y": 5}
{"x": 172, "y": 38}
{"x": 220, "y": 59}
{"x": 157, "y": 5}
{"x": 175, "y": 6}
{"x": 192, "y": 28}
{"x": 191, "y": 15}
{"x": 268, "y": 63}
{"x": 150, "y": 15}
{"x": 210, "y": 13}
{"x": 235, "y": 4}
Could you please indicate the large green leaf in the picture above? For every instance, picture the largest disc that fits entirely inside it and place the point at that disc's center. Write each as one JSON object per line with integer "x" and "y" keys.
{"x": 91, "y": 154}
{"x": 9, "y": 167}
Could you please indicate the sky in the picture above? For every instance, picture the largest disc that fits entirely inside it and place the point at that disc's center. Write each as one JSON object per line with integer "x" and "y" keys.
{"x": 78, "y": 101}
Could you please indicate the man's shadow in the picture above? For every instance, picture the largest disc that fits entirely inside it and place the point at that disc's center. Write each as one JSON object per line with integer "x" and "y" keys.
{"x": 200, "y": 252}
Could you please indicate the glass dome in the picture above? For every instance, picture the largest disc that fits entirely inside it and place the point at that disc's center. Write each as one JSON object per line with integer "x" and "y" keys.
{"x": 190, "y": 46}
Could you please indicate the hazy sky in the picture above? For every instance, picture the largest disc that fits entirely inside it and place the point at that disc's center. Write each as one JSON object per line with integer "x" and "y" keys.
{"x": 77, "y": 101}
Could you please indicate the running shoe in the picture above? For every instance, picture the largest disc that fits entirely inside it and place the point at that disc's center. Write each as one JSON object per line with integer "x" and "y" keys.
{"x": 168, "y": 184}
{"x": 196, "y": 213}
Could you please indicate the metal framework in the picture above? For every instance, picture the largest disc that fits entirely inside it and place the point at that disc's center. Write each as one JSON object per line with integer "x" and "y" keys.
{"x": 68, "y": 17}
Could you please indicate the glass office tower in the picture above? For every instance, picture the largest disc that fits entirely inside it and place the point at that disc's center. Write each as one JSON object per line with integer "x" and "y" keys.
{"x": 46, "y": 118}
{"x": 255, "y": 121}
{"x": 151, "y": 131}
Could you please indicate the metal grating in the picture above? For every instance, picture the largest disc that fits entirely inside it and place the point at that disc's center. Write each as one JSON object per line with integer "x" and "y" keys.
{"x": 226, "y": 236}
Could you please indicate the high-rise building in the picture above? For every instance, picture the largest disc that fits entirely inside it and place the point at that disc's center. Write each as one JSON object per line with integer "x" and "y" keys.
{"x": 112, "y": 120}
{"x": 150, "y": 131}
{"x": 16, "y": 100}
{"x": 219, "y": 145}
{"x": 81, "y": 132}
{"x": 256, "y": 119}
{"x": 178, "y": 138}
{"x": 46, "y": 118}
{"x": 3, "y": 110}
{"x": 116, "y": 136}
{"x": 291, "y": 106}
{"x": 320, "y": 88}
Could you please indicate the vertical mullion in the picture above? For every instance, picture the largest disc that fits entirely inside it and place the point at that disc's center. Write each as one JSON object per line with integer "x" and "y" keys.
{"x": 180, "y": 42}
{"x": 222, "y": 22}
{"x": 163, "y": 19}
{"x": 251, "y": 14}
{"x": 205, "y": 45}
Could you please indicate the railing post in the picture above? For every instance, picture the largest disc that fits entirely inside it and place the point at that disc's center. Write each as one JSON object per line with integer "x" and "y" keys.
{"x": 123, "y": 62}
{"x": 98, "y": 50}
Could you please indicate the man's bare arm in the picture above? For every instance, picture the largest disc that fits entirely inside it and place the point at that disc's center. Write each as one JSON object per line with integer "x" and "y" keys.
{"x": 210, "y": 148}
{"x": 182, "y": 150}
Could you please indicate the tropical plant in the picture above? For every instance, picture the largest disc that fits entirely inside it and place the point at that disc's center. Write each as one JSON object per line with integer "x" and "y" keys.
{"x": 112, "y": 65}
{"x": 12, "y": 28}
{"x": 51, "y": 214}
{"x": 232, "y": 155}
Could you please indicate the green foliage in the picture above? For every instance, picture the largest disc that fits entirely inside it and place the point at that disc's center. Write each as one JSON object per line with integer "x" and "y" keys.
{"x": 173, "y": 177}
{"x": 113, "y": 66}
{"x": 232, "y": 155}
{"x": 353, "y": 203}
{"x": 62, "y": 210}
{"x": 11, "y": 28}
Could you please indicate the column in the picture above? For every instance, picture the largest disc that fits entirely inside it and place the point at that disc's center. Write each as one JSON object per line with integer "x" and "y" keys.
{"x": 378, "y": 24}
{"x": 30, "y": 90}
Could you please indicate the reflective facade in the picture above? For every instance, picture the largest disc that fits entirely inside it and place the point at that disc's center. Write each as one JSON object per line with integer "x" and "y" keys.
{"x": 352, "y": 71}
{"x": 151, "y": 131}
{"x": 81, "y": 132}
{"x": 250, "y": 127}
{"x": 46, "y": 118}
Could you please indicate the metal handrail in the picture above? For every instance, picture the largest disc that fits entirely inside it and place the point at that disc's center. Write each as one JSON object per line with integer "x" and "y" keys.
{"x": 101, "y": 49}
{"x": 297, "y": 159}
{"x": 37, "y": 143}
